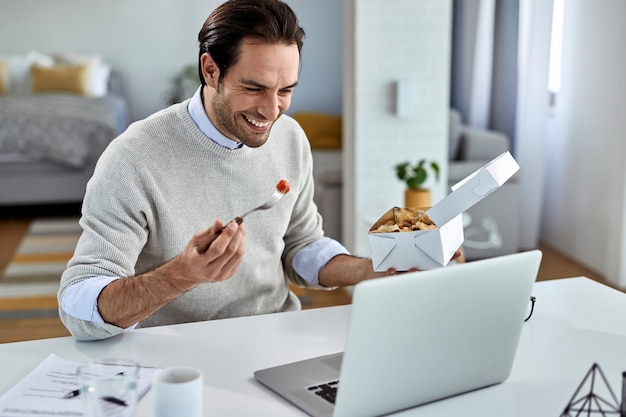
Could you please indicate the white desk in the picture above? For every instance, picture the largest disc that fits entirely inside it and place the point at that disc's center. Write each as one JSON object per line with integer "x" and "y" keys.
{"x": 576, "y": 322}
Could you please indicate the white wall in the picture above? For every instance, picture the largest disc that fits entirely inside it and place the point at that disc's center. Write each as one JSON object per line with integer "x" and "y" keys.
{"x": 150, "y": 41}
{"x": 385, "y": 42}
{"x": 585, "y": 209}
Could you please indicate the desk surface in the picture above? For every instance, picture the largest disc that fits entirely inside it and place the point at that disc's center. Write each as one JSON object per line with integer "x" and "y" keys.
{"x": 576, "y": 322}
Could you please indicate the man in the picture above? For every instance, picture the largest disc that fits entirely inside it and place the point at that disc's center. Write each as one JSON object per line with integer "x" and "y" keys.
{"x": 158, "y": 186}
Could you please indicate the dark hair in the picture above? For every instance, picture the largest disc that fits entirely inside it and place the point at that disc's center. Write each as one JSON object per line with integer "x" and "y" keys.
{"x": 271, "y": 21}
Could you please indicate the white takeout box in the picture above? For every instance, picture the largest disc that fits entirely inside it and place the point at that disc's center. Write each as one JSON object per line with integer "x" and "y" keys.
{"x": 429, "y": 249}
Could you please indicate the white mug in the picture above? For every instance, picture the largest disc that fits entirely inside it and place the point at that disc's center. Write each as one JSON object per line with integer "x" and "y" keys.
{"x": 177, "y": 391}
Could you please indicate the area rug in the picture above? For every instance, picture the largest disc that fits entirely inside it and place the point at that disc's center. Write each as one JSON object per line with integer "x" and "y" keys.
{"x": 41, "y": 258}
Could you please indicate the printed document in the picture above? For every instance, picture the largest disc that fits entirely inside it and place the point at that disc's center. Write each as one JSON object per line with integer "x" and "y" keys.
{"x": 41, "y": 392}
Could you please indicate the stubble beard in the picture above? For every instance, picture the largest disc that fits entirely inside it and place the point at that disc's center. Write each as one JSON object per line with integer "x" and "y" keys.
{"x": 227, "y": 123}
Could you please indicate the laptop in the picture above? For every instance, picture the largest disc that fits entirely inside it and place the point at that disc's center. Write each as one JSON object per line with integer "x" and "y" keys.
{"x": 417, "y": 337}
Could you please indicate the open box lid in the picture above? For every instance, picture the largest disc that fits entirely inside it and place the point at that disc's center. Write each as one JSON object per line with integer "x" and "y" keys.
{"x": 474, "y": 188}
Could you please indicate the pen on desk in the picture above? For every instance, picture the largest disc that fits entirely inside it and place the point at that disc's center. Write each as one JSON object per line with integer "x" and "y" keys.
{"x": 76, "y": 392}
{"x": 110, "y": 399}
{"x": 72, "y": 394}
{"x": 115, "y": 400}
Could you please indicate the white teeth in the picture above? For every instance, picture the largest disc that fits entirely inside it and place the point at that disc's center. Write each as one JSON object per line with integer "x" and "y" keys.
{"x": 257, "y": 124}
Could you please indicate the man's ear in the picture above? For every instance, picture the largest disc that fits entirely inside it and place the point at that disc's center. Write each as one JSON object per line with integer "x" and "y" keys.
{"x": 210, "y": 70}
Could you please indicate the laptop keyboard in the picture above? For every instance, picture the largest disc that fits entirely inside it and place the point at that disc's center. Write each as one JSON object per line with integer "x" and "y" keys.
{"x": 327, "y": 390}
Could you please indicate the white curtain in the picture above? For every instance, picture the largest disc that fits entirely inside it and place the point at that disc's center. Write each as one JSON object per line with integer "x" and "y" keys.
{"x": 479, "y": 97}
{"x": 473, "y": 60}
{"x": 484, "y": 63}
{"x": 532, "y": 112}
{"x": 493, "y": 91}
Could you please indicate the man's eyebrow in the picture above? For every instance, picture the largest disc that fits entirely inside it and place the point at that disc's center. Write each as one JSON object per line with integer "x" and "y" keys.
{"x": 259, "y": 85}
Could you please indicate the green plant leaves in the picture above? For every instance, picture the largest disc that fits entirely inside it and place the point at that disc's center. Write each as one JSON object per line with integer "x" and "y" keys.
{"x": 416, "y": 175}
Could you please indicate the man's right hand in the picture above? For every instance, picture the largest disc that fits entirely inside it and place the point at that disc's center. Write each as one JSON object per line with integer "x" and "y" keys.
{"x": 215, "y": 254}
{"x": 127, "y": 301}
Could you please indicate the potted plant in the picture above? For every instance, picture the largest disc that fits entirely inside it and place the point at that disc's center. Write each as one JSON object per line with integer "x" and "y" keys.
{"x": 415, "y": 175}
{"x": 184, "y": 85}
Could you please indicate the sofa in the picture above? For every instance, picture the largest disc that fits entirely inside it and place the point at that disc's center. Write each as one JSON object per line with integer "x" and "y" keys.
{"x": 492, "y": 226}
{"x": 324, "y": 132}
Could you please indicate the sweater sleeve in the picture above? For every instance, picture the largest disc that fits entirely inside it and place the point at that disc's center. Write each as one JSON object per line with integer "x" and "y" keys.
{"x": 114, "y": 232}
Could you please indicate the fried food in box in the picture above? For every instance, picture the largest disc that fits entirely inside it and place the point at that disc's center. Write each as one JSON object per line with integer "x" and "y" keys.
{"x": 406, "y": 219}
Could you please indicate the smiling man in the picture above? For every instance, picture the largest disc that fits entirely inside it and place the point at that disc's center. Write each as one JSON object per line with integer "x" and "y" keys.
{"x": 244, "y": 104}
{"x": 160, "y": 190}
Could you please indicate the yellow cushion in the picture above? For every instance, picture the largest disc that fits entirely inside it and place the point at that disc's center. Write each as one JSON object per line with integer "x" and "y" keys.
{"x": 323, "y": 130}
{"x": 3, "y": 77}
{"x": 62, "y": 78}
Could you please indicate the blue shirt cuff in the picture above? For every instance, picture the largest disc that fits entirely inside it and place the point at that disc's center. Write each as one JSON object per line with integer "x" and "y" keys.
{"x": 310, "y": 260}
{"x": 81, "y": 299}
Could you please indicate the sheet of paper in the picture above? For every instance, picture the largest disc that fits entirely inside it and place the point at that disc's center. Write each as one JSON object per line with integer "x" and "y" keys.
{"x": 40, "y": 393}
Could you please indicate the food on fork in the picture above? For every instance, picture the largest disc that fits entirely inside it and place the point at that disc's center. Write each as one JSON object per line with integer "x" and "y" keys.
{"x": 283, "y": 186}
{"x": 403, "y": 220}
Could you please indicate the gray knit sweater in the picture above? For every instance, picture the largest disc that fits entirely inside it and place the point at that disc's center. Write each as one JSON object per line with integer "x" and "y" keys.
{"x": 162, "y": 181}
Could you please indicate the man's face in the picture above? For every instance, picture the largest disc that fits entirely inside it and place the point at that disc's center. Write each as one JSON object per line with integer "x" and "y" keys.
{"x": 254, "y": 93}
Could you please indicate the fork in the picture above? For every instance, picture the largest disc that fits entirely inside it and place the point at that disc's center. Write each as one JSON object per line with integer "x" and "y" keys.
{"x": 278, "y": 194}
{"x": 267, "y": 205}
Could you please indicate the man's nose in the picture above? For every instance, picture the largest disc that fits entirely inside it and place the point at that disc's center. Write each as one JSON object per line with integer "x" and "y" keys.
{"x": 271, "y": 106}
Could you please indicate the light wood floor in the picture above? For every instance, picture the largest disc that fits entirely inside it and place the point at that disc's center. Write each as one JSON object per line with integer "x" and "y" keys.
{"x": 554, "y": 265}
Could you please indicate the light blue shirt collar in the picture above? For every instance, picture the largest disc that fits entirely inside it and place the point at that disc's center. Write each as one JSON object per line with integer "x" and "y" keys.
{"x": 200, "y": 118}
